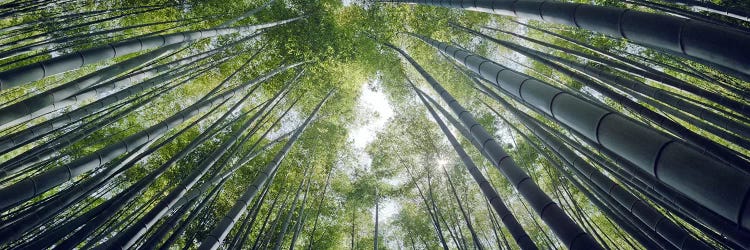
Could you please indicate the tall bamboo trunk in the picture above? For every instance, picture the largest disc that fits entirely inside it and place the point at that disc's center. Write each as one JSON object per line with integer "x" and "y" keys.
{"x": 515, "y": 229}
{"x": 129, "y": 236}
{"x": 301, "y": 220}
{"x": 566, "y": 230}
{"x": 285, "y": 226}
{"x": 20, "y": 138}
{"x": 46, "y": 150}
{"x": 466, "y": 217}
{"x": 711, "y": 7}
{"x": 697, "y": 140}
{"x": 720, "y": 46}
{"x": 320, "y": 204}
{"x": 43, "y": 103}
{"x": 26, "y": 74}
{"x": 217, "y": 235}
{"x": 246, "y": 14}
{"x": 726, "y": 227}
{"x": 715, "y": 185}
{"x": 46, "y": 180}
{"x": 105, "y": 210}
{"x": 669, "y": 230}
{"x": 655, "y": 75}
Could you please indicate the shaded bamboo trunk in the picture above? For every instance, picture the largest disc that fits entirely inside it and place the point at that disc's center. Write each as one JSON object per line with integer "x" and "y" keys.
{"x": 217, "y": 235}
{"x": 703, "y": 143}
{"x": 46, "y": 180}
{"x": 301, "y": 220}
{"x": 17, "y": 139}
{"x": 26, "y": 74}
{"x": 708, "y": 6}
{"x": 428, "y": 207}
{"x": 517, "y": 232}
{"x": 650, "y": 183}
{"x": 720, "y": 46}
{"x": 566, "y": 230}
{"x": 129, "y": 236}
{"x": 712, "y": 95}
{"x": 288, "y": 219}
{"x": 246, "y": 14}
{"x": 320, "y": 204}
{"x": 259, "y": 238}
{"x": 377, "y": 211}
{"x": 467, "y": 219}
{"x": 96, "y": 217}
{"x": 34, "y": 106}
{"x": 715, "y": 185}
{"x": 667, "y": 229}
{"x": 644, "y": 88}
{"x": 48, "y": 149}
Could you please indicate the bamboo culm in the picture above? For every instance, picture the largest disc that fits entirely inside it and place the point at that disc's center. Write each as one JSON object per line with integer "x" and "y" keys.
{"x": 26, "y": 74}
{"x": 217, "y": 235}
{"x": 720, "y": 46}
{"x": 713, "y": 184}
{"x": 566, "y": 230}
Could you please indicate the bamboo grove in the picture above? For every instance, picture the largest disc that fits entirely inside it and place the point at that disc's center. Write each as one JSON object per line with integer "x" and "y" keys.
{"x": 523, "y": 124}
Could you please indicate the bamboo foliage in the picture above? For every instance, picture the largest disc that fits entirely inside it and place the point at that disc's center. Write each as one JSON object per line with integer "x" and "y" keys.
{"x": 127, "y": 126}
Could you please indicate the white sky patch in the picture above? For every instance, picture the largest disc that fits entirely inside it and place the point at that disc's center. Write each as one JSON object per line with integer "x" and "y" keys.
{"x": 373, "y": 105}
{"x": 373, "y": 114}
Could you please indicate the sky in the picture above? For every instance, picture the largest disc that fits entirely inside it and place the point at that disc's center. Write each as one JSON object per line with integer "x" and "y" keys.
{"x": 374, "y": 112}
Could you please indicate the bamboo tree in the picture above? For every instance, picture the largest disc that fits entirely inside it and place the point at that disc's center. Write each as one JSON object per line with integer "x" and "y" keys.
{"x": 737, "y": 106}
{"x": 467, "y": 219}
{"x": 568, "y": 232}
{"x": 30, "y": 73}
{"x": 625, "y": 137}
{"x": 53, "y": 44}
{"x": 249, "y": 222}
{"x": 268, "y": 235}
{"x": 724, "y": 225}
{"x": 705, "y": 144}
{"x": 292, "y": 208}
{"x": 24, "y": 223}
{"x": 34, "y": 106}
{"x": 522, "y": 239}
{"x": 37, "y": 184}
{"x": 731, "y": 12}
{"x": 55, "y": 32}
{"x": 320, "y": 205}
{"x": 667, "y": 229}
{"x": 259, "y": 238}
{"x": 129, "y": 236}
{"x": 692, "y": 39}
{"x": 377, "y": 211}
{"x": 652, "y": 74}
{"x": 439, "y": 215}
{"x": 429, "y": 208}
{"x": 301, "y": 220}
{"x": 76, "y": 92}
{"x": 46, "y": 150}
{"x": 217, "y": 235}
{"x": 246, "y": 14}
